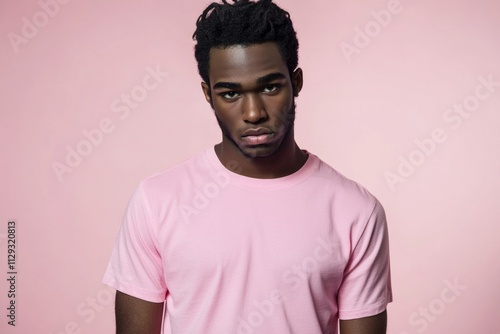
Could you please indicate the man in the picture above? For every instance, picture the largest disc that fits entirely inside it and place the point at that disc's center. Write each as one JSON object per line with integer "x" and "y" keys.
{"x": 254, "y": 235}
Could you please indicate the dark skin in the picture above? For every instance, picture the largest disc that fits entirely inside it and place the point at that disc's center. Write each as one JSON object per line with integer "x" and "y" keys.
{"x": 376, "y": 324}
{"x": 137, "y": 316}
{"x": 250, "y": 90}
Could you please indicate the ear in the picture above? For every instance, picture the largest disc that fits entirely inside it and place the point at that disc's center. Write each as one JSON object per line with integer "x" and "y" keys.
{"x": 297, "y": 81}
{"x": 207, "y": 92}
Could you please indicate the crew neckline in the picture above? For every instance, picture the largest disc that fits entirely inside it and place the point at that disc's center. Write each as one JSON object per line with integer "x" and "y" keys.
{"x": 252, "y": 182}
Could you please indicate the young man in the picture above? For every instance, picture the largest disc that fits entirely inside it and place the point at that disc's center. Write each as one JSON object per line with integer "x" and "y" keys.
{"x": 254, "y": 235}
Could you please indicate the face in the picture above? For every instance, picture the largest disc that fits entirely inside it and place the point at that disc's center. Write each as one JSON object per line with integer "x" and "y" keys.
{"x": 252, "y": 95}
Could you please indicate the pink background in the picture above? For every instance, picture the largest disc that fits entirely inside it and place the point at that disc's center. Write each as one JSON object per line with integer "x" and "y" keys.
{"x": 361, "y": 113}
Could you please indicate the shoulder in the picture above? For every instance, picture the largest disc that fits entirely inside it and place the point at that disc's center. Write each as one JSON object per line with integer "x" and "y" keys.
{"x": 180, "y": 173}
{"x": 344, "y": 190}
{"x": 168, "y": 187}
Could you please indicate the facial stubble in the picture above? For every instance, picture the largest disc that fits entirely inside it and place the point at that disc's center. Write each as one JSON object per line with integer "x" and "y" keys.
{"x": 288, "y": 119}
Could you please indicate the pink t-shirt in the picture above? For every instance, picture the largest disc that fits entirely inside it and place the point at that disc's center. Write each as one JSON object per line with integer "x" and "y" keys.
{"x": 237, "y": 255}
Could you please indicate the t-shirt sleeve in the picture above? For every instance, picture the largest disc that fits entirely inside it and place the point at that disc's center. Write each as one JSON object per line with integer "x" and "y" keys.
{"x": 135, "y": 267}
{"x": 366, "y": 286}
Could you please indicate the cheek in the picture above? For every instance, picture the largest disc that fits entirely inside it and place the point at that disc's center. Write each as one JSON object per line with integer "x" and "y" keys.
{"x": 226, "y": 114}
{"x": 284, "y": 106}
{"x": 285, "y": 113}
{"x": 281, "y": 103}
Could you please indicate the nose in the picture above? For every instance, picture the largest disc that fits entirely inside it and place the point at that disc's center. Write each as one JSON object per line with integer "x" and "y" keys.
{"x": 253, "y": 108}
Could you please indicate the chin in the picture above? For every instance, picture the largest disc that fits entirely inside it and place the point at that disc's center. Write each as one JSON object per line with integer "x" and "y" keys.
{"x": 261, "y": 151}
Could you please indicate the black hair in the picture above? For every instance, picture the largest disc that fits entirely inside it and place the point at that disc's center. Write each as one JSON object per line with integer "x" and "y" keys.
{"x": 244, "y": 22}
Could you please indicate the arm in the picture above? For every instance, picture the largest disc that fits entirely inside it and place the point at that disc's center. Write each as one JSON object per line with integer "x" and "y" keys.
{"x": 137, "y": 316}
{"x": 376, "y": 324}
{"x": 366, "y": 287}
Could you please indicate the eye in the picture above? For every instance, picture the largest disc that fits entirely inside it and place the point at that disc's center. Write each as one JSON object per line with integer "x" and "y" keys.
{"x": 229, "y": 95}
{"x": 271, "y": 88}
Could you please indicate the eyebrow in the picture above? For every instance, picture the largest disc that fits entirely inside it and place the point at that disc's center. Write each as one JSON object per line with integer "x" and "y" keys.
{"x": 262, "y": 80}
{"x": 270, "y": 77}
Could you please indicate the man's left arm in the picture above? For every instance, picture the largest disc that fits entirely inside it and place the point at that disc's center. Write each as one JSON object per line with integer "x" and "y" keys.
{"x": 376, "y": 324}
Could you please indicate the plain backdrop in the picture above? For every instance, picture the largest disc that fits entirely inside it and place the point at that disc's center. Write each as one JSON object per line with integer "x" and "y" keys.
{"x": 396, "y": 97}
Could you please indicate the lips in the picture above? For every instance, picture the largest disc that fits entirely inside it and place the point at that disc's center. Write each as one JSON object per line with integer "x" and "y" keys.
{"x": 257, "y": 136}
{"x": 256, "y": 132}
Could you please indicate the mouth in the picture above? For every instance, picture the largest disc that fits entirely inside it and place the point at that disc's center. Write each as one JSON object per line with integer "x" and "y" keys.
{"x": 257, "y": 136}
{"x": 258, "y": 139}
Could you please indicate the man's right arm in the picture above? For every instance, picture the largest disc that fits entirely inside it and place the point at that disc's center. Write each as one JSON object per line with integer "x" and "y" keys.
{"x": 137, "y": 316}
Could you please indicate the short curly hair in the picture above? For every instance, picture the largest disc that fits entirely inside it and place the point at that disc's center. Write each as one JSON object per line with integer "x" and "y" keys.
{"x": 244, "y": 22}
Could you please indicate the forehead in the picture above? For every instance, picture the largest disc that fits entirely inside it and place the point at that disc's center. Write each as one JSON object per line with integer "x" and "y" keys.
{"x": 245, "y": 63}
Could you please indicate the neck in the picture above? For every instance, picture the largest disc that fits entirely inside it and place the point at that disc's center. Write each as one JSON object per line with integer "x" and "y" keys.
{"x": 288, "y": 159}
